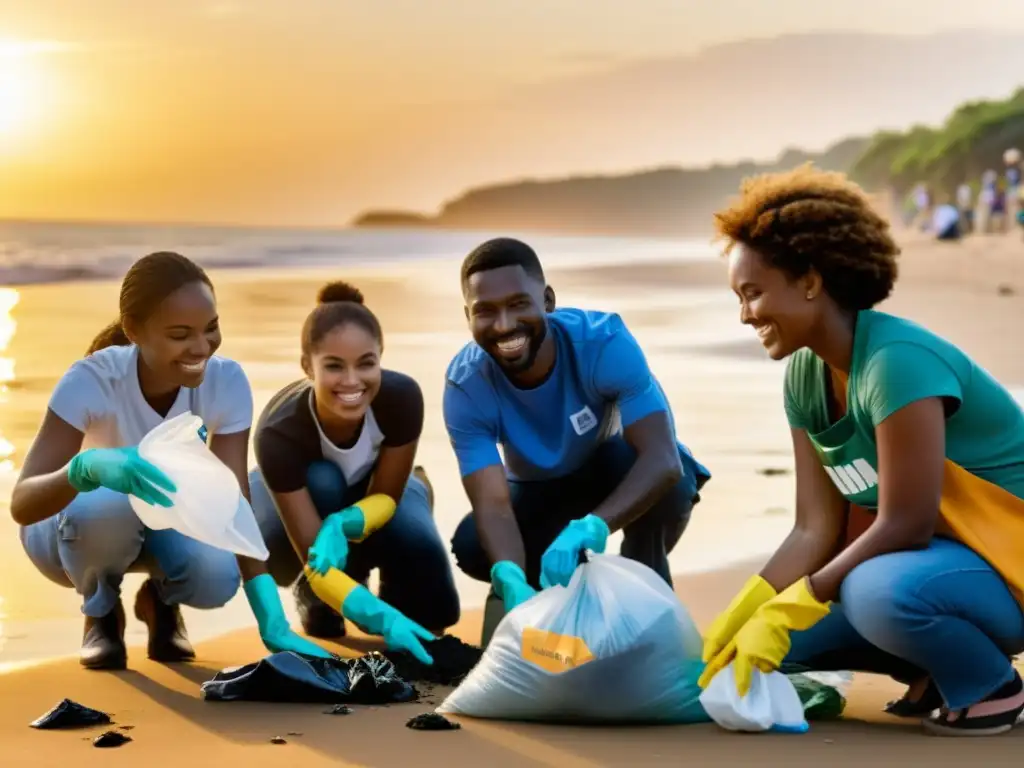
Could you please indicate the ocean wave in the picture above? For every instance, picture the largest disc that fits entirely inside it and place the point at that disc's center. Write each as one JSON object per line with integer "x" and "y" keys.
{"x": 37, "y": 252}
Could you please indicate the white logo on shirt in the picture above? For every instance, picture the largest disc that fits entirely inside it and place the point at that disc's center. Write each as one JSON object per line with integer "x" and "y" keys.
{"x": 583, "y": 421}
{"x": 854, "y": 478}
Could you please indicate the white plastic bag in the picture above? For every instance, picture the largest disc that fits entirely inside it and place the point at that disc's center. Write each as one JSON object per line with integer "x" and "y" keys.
{"x": 771, "y": 704}
{"x": 615, "y": 645}
{"x": 208, "y": 505}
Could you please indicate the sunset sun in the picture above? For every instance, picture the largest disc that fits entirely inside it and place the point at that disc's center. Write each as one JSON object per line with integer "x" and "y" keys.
{"x": 22, "y": 88}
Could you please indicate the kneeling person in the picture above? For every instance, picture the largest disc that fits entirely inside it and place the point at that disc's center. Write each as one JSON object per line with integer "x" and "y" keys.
{"x": 336, "y": 484}
{"x": 586, "y": 431}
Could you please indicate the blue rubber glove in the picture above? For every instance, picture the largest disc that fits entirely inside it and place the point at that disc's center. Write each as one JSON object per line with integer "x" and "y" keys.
{"x": 330, "y": 548}
{"x": 265, "y": 601}
{"x": 121, "y": 470}
{"x": 510, "y": 584}
{"x": 559, "y": 562}
{"x": 374, "y": 616}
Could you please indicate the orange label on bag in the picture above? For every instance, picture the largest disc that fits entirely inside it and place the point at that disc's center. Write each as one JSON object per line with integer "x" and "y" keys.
{"x": 553, "y": 652}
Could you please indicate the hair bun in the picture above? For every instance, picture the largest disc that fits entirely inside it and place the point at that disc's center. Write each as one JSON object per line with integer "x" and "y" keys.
{"x": 339, "y": 290}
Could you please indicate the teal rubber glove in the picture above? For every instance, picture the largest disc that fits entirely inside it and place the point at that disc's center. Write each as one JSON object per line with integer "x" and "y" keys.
{"x": 277, "y": 636}
{"x": 559, "y": 562}
{"x": 376, "y": 617}
{"x": 510, "y": 584}
{"x": 121, "y": 470}
{"x": 330, "y": 548}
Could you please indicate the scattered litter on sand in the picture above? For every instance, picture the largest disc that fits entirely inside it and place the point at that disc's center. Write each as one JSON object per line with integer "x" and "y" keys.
{"x": 70, "y": 714}
{"x": 431, "y": 721}
{"x": 453, "y": 659}
{"x": 111, "y": 739}
{"x": 295, "y": 678}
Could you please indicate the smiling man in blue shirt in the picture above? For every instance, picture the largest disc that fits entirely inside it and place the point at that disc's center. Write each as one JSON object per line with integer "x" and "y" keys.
{"x": 585, "y": 428}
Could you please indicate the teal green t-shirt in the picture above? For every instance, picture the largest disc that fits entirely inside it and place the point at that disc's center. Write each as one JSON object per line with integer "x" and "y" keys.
{"x": 897, "y": 362}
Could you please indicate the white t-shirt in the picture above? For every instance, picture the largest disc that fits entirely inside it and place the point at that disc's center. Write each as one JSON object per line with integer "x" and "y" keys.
{"x": 358, "y": 461}
{"x": 101, "y": 397}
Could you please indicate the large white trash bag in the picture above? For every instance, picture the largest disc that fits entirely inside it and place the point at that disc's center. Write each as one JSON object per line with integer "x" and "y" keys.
{"x": 208, "y": 505}
{"x": 771, "y": 704}
{"x": 616, "y": 645}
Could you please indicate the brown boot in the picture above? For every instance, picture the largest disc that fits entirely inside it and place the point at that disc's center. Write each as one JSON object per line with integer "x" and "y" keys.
{"x": 103, "y": 641}
{"x": 421, "y": 473}
{"x": 168, "y": 640}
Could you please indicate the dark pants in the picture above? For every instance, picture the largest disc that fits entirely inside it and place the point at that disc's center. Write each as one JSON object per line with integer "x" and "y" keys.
{"x": 544, "y": 508}
{"x": 415, "y": 572}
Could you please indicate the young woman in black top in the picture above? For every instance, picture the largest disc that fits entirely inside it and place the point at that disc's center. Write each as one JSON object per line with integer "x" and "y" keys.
{"x": 343, "y": 440}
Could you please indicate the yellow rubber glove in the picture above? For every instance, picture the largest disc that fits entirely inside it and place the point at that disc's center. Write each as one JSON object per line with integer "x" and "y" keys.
{"x": 332, "y": 587}
{"x": 377, "y": 510}
{"x": 763, "y": 641}
{"x": 755, "y": 593}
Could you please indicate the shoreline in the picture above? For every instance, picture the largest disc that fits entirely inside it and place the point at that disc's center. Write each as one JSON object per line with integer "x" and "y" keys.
{"x": 63, "y": 252}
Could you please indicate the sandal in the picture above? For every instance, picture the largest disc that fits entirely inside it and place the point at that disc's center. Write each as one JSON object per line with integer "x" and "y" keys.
{"x": 996, "y": 714}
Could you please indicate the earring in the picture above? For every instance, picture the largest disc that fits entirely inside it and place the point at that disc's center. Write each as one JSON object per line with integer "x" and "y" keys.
{"x": 810, "y": 296}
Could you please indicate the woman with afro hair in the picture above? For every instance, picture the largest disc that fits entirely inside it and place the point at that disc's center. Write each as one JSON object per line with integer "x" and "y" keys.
{"x": 888, "y": 417}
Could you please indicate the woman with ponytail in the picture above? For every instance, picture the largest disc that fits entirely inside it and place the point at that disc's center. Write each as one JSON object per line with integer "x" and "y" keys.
{"x": 71, "y": 499}
{"x": 336, "y": 480}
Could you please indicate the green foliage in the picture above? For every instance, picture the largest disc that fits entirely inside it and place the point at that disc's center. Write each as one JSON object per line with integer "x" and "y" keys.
{"x": 970, "y": 141}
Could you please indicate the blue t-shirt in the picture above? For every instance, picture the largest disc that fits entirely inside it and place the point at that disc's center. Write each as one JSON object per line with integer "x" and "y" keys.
{"x": 600, "y": 384}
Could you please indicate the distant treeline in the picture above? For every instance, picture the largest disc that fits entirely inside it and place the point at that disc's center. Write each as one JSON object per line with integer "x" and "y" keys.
{"x": 681, "y": 201}
{"x": 970, "y": 141}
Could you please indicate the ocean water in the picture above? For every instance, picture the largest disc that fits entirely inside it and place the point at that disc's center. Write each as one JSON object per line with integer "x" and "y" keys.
{"x": 37, "y": 252}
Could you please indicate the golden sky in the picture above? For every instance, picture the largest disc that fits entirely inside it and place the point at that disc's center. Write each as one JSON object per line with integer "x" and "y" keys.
{"x": 302, "y": 112}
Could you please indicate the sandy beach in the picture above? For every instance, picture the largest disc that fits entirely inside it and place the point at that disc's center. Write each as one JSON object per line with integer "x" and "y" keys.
{"x": 727, "y": 401}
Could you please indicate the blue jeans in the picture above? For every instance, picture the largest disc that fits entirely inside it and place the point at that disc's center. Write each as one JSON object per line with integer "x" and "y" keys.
{"x": 543, "y": 508}
{"x": 941, "y": 611}
{"x": 94, "y": 541}
{"x": 415, "y": 573}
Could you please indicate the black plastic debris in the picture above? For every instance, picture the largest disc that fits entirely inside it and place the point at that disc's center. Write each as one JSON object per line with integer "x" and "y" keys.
{"x": 431, "y": 721}
{"x": 111, "y": 739}
{"x": 339, "y": 709}
{"x": 70, "y": 714}
{"x": 453, "y": 659}
{"x": 296, "y": 678}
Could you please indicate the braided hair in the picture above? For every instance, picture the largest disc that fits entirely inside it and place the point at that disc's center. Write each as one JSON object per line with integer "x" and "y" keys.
{"x": 807, "y": 219}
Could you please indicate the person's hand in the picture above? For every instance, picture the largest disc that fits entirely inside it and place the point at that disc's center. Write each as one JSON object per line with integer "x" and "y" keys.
{"x": 373, "y": 615}
{"x": 755, "y": 593}
{"x": 763, "y": 641}
{"x": 510, "y": 584}
{"x": 277, "y": 636}
{"x": 330, "y": 548}
{"x": 121, "y": 470}
{"x": 559, "y": 562}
